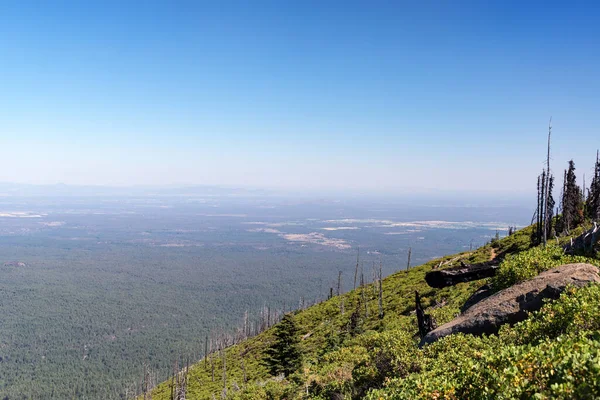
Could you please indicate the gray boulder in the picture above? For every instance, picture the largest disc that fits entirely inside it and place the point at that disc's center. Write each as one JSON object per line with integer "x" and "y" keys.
{"x": 513, "y": 304}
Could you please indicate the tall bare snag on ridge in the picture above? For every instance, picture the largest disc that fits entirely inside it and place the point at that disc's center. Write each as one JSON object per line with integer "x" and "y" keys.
{"x": 546, "y": 215}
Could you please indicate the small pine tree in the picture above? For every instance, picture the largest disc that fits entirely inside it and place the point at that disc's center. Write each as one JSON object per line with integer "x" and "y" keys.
{"x": 283, "y": 356}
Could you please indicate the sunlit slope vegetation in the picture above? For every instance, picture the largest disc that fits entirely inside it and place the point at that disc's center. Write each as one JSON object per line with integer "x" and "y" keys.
{"x": 349, "y": 352}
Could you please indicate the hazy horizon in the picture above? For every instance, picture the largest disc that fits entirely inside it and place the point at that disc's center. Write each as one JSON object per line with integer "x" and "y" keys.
{"x": 422, "y": 196}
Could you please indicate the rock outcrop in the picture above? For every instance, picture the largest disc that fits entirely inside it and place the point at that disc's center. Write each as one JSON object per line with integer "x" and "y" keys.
{"x": 512, "y": 304}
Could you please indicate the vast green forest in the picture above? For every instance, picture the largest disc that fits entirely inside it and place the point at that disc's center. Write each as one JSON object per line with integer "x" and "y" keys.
{"x": 94, "y": 290}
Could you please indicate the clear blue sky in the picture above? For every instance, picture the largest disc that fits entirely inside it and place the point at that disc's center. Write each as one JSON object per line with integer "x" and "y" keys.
{"x": 375, "y": 96}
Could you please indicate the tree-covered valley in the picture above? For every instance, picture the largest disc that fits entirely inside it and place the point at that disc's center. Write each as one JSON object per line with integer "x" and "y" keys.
{"x": 92, "y": 290}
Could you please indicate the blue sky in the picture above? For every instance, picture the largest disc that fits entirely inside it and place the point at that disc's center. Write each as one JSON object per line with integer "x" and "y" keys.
{"x": 370, "y": 96}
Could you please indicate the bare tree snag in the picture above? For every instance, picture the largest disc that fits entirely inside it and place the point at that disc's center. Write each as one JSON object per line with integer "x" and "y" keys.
{"x": 426, "y": 322}
{"x": 356, "y": 270}
{"x": 212, "y": 363}
{"x": 206, "y": 352}
{"x": 380, "y": 291}
{"x": 224, "y": 356}
{"x": 547, "y": 185}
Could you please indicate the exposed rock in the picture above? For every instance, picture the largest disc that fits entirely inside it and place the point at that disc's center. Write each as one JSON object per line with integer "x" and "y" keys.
{"x": 464, "y": 273}
{"x": 481, "y": 293}
{"x": 513, "y": 304}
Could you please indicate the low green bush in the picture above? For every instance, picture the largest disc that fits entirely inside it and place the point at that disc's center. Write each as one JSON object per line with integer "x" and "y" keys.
{"x": 525, "y": 265}
{"x": 555, "y": 354}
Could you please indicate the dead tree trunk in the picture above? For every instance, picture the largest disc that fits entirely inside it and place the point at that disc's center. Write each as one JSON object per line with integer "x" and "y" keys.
{"x": 356, "y": 270}
{"x": 426, "y": 322}
{"x": 363, "y": 293}
{"x": 380, "y": 291}
{"x": 374, "y": 279}
{"x": 212, "y": 363}
{"x": 546, "y": 200}
{"x": 224, "y": 356}
{"x": 408, "y": 262}
{"x": 206, "y": 352}
{"x": 173, "y": 384}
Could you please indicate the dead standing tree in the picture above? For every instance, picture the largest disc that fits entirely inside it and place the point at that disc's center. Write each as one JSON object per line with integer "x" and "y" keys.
{"x": 206, "y": 352}
{"x": 356, "y": 270}
{"x": 339, "y": 291}
{"x": 426, "y": 322}
{"x": 547, "y": 184}
{"x": 212, "y": 362}
{"x": 380, "y": 290}
{"x": 179, "y": 382}
{"x": 147, "y": 383}
{"x": 224, "y": 357}
{"x": 363, "y": 293}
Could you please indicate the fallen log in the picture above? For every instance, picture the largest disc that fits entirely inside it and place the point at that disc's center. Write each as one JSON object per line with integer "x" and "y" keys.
{"x": 584, "y": 242}
{"x": 464, "y": 273}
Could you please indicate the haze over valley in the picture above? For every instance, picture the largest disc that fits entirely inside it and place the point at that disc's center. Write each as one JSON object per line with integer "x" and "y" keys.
{"x": 97, "y": 286}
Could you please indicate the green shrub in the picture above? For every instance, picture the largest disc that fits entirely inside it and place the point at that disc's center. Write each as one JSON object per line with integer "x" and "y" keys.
{"x": 577, "y": 310}
{"x": 527, "y": 264}
{"x": 554, "y": 354}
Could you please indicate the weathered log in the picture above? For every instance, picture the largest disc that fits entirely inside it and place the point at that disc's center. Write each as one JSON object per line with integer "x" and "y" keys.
{"x": 425, "y": 321}
{"x": 584, "y": 242}
{"x": 464, "y": 273}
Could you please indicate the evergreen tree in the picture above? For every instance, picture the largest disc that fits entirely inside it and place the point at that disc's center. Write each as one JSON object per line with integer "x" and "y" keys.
{"x": 283, "y": 356}
{"x": 571, "y": 202}
{"x": 593, "y": 200}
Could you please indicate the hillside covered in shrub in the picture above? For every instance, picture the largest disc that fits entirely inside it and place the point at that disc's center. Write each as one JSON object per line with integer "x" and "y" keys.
{"x": 347, "y": 350}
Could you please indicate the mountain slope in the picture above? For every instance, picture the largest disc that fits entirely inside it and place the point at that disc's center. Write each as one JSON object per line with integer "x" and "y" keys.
{"x": 353, "y": 356}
